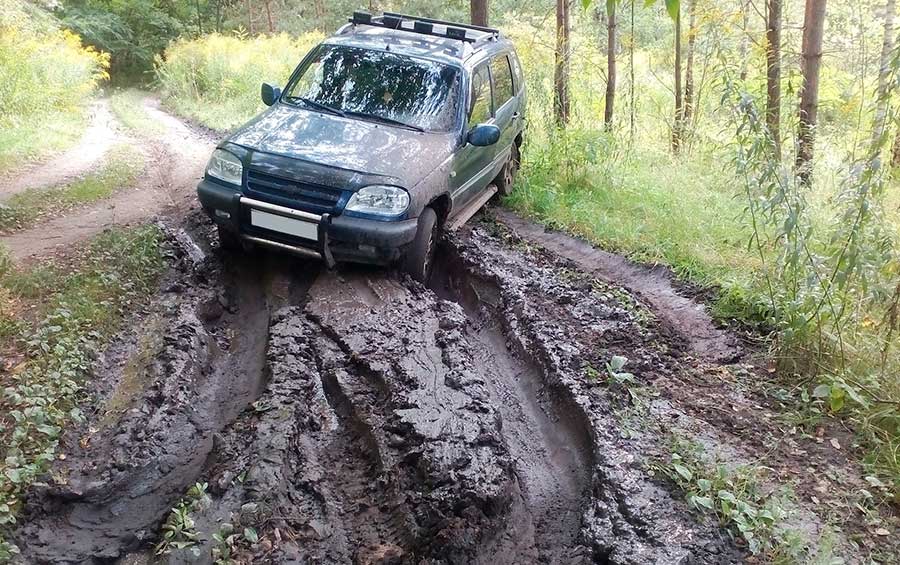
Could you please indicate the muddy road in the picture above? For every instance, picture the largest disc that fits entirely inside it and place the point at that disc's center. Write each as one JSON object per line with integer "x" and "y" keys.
{"x": 358, "y": 417}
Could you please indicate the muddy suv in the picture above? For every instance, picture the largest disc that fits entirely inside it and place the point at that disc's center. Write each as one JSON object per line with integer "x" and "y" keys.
{"x": 387, "y": 133}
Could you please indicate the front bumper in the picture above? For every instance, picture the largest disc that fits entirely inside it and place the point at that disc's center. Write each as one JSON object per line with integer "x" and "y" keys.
{"x": 339, "y": 238}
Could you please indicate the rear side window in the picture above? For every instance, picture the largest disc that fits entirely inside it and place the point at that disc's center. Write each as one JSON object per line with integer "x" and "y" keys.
{"x": 481, "y": 96}
{"x": 517, "y": 72}
{"x": 503, "y": 82}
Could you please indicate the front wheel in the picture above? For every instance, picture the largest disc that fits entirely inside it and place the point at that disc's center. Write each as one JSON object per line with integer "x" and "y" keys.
{"x": 228, "y": 240}
{"x": 507, "y": 177}
{"x": 419, "y": 259}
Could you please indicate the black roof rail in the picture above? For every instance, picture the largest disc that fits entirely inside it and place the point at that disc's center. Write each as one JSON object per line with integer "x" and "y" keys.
{"x": 490, "y": 30}
{"x": 425, "y": 26}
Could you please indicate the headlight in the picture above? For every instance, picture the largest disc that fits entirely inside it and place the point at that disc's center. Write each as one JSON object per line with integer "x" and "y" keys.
{"x": 379, "y": 199}
{"x": 225, "y": 166}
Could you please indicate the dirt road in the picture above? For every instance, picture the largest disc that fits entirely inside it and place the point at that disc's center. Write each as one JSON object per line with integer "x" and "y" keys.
{"x": 356, "y": 416}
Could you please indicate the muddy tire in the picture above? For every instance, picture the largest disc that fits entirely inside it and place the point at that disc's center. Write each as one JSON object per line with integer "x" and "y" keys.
{"x": 228, "y": 240}
{"x": 419, "y": 259}
{"x": 507, "y": 177}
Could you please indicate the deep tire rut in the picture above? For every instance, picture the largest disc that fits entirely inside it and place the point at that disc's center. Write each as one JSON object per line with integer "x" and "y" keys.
{"x": 359, "y": 417}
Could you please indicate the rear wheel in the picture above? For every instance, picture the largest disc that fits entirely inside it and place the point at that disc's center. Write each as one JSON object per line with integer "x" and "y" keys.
{"x": 507, "y": 177}
{"x": 419, "y": 259}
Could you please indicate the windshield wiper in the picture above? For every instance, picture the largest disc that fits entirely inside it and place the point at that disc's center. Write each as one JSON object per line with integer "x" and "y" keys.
{"x": 316, "y": 105}
{"x": 383, "y": 119}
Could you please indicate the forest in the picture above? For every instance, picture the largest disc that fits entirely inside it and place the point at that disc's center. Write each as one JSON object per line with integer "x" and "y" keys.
{"x": 749, "y": 147}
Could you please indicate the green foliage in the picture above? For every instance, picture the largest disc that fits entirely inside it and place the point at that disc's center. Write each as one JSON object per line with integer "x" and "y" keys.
{"x": 46, "y": 75}
{"x": 178, "y": 530}
{"x": 132, "y": 31}
{"x": 216, "y": 79}
{"x": 737, "y": 497}
{"x": 75, "y": 316}
{"x": 25, "y": 208}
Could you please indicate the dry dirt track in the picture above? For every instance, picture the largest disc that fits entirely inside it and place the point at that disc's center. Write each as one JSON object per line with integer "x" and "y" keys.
{"x": 356, "y": 416}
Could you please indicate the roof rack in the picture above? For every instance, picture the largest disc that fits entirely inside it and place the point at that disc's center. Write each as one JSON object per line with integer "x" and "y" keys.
{"x": 425, "y": 26}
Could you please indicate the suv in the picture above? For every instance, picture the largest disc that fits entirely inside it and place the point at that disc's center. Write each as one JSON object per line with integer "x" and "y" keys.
{"x": 390, "y": 131}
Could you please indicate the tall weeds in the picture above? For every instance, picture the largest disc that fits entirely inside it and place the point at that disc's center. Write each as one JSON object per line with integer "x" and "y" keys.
{"x": 832, "y": 287}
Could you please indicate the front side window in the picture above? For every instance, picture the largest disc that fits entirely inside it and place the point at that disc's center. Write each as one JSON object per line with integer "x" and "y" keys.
{"x": 503, "y": 82}
{"x": 481, "y": 97}
{"x": 379, "y": 85}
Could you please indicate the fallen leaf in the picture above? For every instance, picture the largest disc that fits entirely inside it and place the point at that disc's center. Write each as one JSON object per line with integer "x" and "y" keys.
{"x": 882, "y": 532}
{"x": 835, "y": 443}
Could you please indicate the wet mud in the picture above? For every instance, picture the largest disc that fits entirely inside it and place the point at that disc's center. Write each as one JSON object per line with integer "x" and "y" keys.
{"x": 359, "y": 417}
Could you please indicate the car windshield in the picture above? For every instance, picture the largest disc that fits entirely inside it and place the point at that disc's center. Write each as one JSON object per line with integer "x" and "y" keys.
{"x": 378, "y": 85}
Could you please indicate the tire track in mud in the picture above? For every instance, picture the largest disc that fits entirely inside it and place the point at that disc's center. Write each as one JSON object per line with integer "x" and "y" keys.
{"x": 652, "y": 284}
{"x": 358, "y": 417}
{"x": 207, "y": 367}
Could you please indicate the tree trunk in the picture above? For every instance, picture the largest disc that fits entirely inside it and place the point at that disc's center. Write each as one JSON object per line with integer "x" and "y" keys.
{"x": 887, "y": 48}
{"x": 561, "y": 75}
{"x": 745, "y": 37}
{"x": 218, "y": 16}
{"x": 679, "y": 101}
{"x": 773, "y": 72}
{"x": 813, "y": 26}
{"x": 269, "y": 16}
{"x": 479, "y": 12}
{"x": 199, "y": 18}
{"x": 249, "y": 16}
{"x": 689, "y": 68}
{"x": 610, "y": 63}
{"x": 631, "y": 72}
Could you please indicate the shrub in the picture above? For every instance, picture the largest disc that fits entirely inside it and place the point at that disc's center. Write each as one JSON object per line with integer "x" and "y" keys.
{"x": 215, "y": 79}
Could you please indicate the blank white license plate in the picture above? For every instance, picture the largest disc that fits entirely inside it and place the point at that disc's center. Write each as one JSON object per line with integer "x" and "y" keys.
{"x": 282, "y": 224}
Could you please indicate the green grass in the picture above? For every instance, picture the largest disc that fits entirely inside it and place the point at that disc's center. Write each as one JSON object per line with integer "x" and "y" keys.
{"x": 35, "y": 137}
{"x": 642, "y": 203}
{"x": 127, "y": 105}
{"x": 22, "y": 210}
{"x": 72, "y": 311}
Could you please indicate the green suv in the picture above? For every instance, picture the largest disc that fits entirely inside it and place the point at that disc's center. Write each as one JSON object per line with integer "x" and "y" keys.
{"x": 388, "y": 132}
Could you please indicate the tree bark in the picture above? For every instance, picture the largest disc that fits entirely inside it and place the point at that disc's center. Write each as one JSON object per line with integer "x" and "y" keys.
{"x": 610, "y": 63}
{"x": 249, "y": 16}
{"x": 745, "y": 38}
{"x": 679, "y": 101}
{"x": 269, "y": 16}
{"x": 561, "y": 75}
{"x": 689, "y": 68}
{"x": 199, "y": 17}
{"x": 631, "y": 72}
{"x": 773, "y": 72}
{"x": 813, "y": 27}
{"x": 479, "y": 12}
{"x": 218, "y": 16}
{"x": 887, "y": 48}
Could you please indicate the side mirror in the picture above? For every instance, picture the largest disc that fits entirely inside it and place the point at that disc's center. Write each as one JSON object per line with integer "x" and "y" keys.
{"x": 483, "y": 135}
{"x": 270, "y": 94}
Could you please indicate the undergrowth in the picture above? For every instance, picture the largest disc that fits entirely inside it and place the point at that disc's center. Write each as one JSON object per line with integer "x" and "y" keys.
{"x": 735, "y": 495}
{"x": 63, "y": 316}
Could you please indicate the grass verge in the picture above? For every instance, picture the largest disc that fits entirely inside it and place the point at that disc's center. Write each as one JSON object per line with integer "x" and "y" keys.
{"x": 128, "y": 107}
{"x": 33, "y": 137}
{"x": 22, "y": 210}
{"x": 55, "y": 320}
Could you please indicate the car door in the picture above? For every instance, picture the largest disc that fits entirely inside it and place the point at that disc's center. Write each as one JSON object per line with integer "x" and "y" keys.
{"x": 506, "y": 110}
{"x": 473, "y": 165}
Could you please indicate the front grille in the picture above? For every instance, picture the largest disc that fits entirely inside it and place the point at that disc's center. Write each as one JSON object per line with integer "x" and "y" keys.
{"x": 295, "y": 194}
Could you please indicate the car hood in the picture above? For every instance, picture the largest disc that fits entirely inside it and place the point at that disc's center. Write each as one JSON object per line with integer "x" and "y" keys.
{"x": 346, "y": 143}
